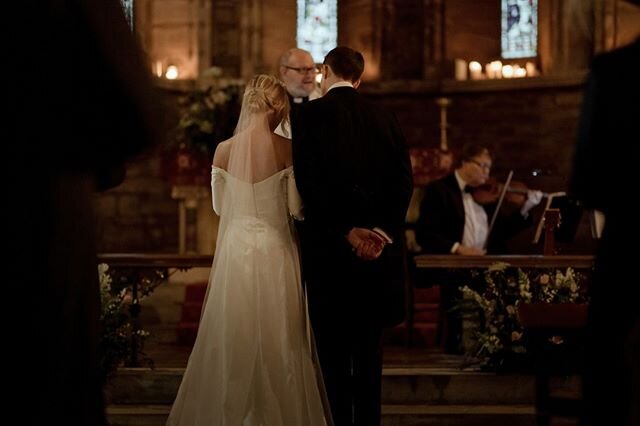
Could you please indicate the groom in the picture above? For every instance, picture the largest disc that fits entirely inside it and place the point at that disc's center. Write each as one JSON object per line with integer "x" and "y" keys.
{"x": 353, "y": 173}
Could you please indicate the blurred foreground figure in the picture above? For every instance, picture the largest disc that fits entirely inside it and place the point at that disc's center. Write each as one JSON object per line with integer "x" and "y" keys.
{"x": 610, "y": 118}
{"x": 80, "y": 105}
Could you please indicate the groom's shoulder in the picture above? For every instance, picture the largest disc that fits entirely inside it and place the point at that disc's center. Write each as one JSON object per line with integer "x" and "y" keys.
{"x": 316, "y": 104}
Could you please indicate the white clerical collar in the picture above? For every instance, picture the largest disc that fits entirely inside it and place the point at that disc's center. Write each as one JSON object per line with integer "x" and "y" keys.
{"x": 341, "y": 84}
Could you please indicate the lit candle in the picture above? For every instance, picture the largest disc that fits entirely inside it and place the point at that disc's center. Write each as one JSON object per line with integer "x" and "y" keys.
{"x": 496, "y": 69}
{"x": 531, "y": 69}
{"x": 489, "y": 71}
{"x": 475, "y": 70}
{"x": 519, "y": 72}
{"x": 158, "y": 68}
{"x": 172, "y": 72}
{"x": 507, "y": 71}
{"x": 460, "y": 69}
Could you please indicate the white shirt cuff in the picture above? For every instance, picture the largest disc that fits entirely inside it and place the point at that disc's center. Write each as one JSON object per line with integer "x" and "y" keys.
{"x": 383, "y": 235}
{"x": 455, "y": 248}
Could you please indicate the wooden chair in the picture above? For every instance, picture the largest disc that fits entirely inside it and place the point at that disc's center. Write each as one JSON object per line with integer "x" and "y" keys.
{"x": 542, "y": 322}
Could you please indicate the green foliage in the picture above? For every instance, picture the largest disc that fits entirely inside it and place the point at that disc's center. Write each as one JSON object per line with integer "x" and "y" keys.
{"x": 496, "y": 307}
{"x": 208, "y": 116}
{"x": 119, "y": 336}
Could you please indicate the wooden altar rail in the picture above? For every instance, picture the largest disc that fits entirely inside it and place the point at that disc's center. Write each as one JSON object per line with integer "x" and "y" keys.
{"x": 146, "y": 261}
{"x": 452, "y": 261}
{"x": 156, "y": 260}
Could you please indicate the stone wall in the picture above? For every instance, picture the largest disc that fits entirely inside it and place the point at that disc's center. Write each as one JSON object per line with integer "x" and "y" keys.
{"x": 408, "y": 46}
{"x": 139, "y": 215}
{"x": 531, "y": 124}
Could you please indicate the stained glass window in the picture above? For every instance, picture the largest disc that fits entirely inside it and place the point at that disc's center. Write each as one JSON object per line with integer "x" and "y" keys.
{"x": 317, "y": 27}
{"x": 127, "y": 5}
{"x": 519, "y": 28}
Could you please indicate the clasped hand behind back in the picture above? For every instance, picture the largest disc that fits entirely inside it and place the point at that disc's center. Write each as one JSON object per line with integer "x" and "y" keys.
{"x": 366, "y": 243}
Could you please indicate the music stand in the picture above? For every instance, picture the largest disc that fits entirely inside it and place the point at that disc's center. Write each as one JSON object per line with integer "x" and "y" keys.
{"x": 570, "y": 215}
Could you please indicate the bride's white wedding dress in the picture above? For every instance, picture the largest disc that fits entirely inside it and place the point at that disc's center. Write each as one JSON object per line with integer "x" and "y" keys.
{"x": 252, "y": 360}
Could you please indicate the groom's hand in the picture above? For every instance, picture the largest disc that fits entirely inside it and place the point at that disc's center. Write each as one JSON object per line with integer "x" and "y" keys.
{"x": 366, "y": 244}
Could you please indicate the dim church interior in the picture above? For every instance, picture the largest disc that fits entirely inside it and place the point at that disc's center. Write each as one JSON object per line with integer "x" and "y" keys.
{"x": 441, "y": 106}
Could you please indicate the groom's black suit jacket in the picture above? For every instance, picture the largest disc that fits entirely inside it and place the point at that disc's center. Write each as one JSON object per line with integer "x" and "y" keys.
{"x": 352, "y": 170}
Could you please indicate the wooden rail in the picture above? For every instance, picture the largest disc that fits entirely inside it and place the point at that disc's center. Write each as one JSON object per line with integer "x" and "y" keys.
{"x": 156, "y": 260}
{"x": 140, "y": 268}
{"x": 521, "y": 261}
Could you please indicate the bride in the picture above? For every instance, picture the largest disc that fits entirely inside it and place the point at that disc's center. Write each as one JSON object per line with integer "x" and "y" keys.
{"x": 253, "y": 360}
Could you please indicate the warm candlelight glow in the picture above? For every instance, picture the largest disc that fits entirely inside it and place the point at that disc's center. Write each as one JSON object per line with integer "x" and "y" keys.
{"x": 157, "y": 68}
{"x": 172, "y": 72}
{"x": 507, "y": 71}
{"x": 494, "y": 69}
{"x": 475, "y": 70}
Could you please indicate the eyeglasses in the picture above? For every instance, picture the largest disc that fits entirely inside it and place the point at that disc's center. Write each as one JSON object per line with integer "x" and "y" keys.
{"x": 303, "y": 70}
{"x": 484, "y": 166}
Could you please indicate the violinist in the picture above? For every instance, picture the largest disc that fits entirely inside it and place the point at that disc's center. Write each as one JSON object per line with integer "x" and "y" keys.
{"x": 453, "y": 221}
{"x": 456, "y": 210}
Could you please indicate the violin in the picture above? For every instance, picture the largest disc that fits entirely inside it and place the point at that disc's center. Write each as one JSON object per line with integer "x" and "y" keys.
{"x": 512, "y": 193}
{"x": 489, "y": 193}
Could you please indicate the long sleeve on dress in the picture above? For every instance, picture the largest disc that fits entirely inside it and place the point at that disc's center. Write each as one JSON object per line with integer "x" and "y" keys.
{"x": 293, "y": 198}
{"x": 217, "y": 190}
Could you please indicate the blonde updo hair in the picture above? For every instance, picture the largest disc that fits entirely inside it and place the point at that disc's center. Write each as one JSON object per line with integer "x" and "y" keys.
{"x": 266, "y": 93}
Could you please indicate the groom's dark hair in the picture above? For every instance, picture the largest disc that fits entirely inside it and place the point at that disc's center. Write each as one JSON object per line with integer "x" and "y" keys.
{"x": 345, "y": 62}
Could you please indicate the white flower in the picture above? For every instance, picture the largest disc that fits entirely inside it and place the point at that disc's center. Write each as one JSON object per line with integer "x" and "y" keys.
{"x": 498, "y": 266}
{"x": 104, "y": 278}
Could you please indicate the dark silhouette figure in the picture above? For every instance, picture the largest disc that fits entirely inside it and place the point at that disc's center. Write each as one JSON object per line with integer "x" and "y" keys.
{"x": 606, "y": 157}
{"x": 80, "y": 105}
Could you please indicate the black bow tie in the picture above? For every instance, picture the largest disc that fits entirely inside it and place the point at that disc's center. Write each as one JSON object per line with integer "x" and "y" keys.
{"x": 468, "y": 188}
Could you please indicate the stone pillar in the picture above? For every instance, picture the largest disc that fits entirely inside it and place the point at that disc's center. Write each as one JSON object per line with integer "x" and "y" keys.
{"x": 189, "y": 197}
{"x": 402, "y": 46}
{"x": 564, "y": 36}
{"x": 433, "y": 42}
{"x": 360, "y": 27}
{"x": 176, "y": 33}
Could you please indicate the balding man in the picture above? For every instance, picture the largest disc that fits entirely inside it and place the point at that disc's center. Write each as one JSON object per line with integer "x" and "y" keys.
{"x": 298, "y": 73}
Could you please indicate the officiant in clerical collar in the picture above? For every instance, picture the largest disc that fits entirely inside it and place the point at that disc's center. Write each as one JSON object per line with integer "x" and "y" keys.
{"x": 298, "y": 73}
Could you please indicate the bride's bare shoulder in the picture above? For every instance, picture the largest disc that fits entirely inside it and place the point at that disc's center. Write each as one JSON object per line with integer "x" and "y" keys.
{"x": 283, "y": 149}
{"x": 221, "y": 156}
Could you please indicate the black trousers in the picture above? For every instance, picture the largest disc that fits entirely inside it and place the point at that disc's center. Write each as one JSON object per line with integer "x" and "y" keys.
{"x": 348, "y": 340}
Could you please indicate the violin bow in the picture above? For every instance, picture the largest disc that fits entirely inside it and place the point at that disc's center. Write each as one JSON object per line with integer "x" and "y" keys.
{"x": 495, "y": 213}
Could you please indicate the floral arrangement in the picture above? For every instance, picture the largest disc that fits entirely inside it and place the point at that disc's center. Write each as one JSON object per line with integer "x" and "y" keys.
{"x": 208, "y": 114}
{"x": 118, "y": 332}
{"x": 500, "y": 335}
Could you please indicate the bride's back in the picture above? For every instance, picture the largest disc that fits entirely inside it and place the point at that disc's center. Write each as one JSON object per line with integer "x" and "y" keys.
{"x": 266, "y": 155}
